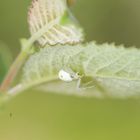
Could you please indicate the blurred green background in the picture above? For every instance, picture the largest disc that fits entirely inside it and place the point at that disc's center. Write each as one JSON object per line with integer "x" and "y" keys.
{"x": 46, "y": 116}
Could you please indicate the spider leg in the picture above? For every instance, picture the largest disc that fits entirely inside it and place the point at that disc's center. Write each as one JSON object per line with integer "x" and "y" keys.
{"x": 84, "y": 86}
{"x": 78, "y": 84}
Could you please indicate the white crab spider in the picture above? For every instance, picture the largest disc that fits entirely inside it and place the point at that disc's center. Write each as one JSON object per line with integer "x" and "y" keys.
{"x": 68, "y": 77}
{"x": 71, "y": 76}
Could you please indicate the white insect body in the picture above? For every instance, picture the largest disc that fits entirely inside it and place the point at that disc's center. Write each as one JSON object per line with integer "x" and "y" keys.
{"x": 67, "y": 77}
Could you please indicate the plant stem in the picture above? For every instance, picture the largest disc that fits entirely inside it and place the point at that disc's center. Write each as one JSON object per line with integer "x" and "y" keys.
{"x": 13, "y": 71}
{"x": 14, "y": 91}
{"x": 15, "y": 67}
{"x": 23, "y": 87}
{"x": 25, "y": 52}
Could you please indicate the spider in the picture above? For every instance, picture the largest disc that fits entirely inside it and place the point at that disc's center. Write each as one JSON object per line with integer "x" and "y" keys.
{"x": 69, "y": 76}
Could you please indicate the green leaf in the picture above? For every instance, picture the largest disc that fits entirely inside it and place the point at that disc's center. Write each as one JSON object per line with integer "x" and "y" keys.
{"x": 54, "y": 22}
{"x": 5, "y": 60}
{"x": 115, "y": 70}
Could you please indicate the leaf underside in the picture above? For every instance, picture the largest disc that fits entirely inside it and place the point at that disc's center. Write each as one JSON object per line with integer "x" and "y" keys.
{"x": 55, "y": 16}
{"x": 115, "y": 70}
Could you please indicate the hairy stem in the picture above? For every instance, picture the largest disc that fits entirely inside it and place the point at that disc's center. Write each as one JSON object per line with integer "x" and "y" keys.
{"x": 23, "y": 87}
{"x": 18, "y": 89}
{"x": 13, "y": 71}
{"x": 26, "y": 48}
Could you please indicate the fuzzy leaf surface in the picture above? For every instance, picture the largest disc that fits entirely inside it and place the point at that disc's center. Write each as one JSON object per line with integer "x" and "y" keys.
{"x": 115, "y": 70}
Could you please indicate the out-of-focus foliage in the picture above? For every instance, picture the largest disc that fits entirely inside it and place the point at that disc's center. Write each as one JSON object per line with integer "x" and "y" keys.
{"x": 110, "y": 20}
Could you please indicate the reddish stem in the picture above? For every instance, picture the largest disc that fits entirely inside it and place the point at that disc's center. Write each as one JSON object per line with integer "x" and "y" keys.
{"x": 13, "y": 71}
